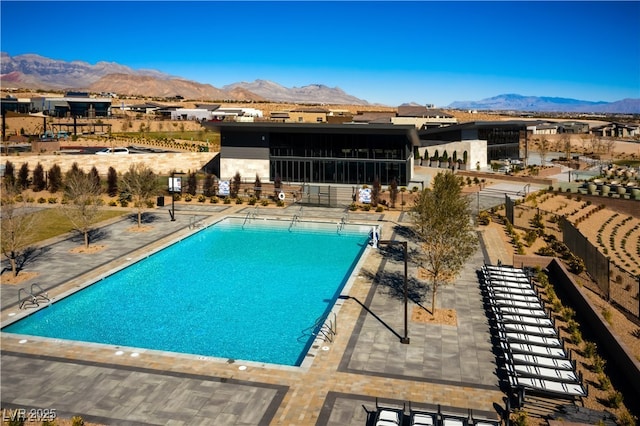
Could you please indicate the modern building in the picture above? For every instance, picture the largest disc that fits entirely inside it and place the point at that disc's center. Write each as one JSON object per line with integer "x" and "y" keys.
{"x": 316, "y": 153}
{"x": 503, "y": 139}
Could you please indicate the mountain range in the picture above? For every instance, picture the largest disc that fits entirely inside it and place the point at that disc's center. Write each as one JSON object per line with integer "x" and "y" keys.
{"x": 31, "y": 71}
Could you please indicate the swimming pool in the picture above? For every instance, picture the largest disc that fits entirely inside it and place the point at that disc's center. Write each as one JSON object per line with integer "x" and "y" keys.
{"x": 235, "y": 290}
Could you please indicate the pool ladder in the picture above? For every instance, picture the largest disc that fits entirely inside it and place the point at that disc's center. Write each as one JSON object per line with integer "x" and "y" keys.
{"x": 324, "y": 328}
{"x": 32, "y": 298}
{"x": 343, "y": 221}
{"x": 194, "y": 222}
{"x": 250, "y": 215}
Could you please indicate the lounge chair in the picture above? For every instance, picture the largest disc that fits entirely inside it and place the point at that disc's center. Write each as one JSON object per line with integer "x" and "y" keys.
{"x": 537, "y": 350}
{"x": 513, "y": 291}
{"x": 422, "y": 418}
{"x": 514, "y": 297}
{"x": 545, "y": 373}
{"x": 532, "y": 330}
{"x": 508, "y": 284}
{"x": 513, "y": 310}
{"x": 478, "y": 420}
{"x": 451, "y": 418}
{"x": 387, "y": 416}
{"x": 543, "y": 361}
{"x": 514, "y": 337}
{"x": 528, "y": 320}
{"x": 550, "y": 388}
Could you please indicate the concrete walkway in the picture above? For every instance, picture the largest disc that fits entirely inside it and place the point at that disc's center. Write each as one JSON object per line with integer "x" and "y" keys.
{"x": 449, "y": 365}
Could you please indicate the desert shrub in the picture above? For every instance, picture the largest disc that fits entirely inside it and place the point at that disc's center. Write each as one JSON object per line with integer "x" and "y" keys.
{"x": 519, "y": 418}
{"x": 614, "y": 399}
{"x": 484, "y": 218}
{"x": 253, "y": 201}
{"x": 188, "y": 197}
{"x": 264, "y": 202}
{"x": 604, "y": 383}
{"x": 606, "y": 313}
{"x": 379, "y": 209}
{"x": 52, "y": 200}
{"x": 590, "y": 349}
{"x": 214, "y": 200}
{"x": 568, "y": 314}
{"x": 598, "y": 364}
{"x": 202, "y": 198}
{"x": 627, "y": 419}
{"x": 77, "y": 421}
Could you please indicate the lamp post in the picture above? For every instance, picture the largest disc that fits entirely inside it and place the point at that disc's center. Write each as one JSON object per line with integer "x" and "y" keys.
{"x": 172, "y": 188}
{"x": 404, "y": 339}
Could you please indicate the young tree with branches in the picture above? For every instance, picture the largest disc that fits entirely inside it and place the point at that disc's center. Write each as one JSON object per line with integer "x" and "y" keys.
{"x": 142, "y": 184}
{"x": 83, "y": 193}
{"x": 235, "y": 185}
{"x": 442, "y": 220}
{"x": 393, "y": 192}
{"x": 16, "y": 226}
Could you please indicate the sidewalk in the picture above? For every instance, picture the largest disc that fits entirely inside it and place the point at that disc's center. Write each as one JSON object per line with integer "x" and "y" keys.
{"x": 449, "y": 365}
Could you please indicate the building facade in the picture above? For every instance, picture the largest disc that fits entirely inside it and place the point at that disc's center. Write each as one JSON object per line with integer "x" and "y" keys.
{"x": 317, "y": 153}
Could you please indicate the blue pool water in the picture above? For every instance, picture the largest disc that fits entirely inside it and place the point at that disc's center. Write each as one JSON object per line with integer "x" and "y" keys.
{"x": 244, "y": 294}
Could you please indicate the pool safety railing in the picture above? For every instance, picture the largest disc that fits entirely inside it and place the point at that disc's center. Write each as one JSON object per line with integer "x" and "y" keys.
{"x": 294, "y": 219}
{"x": 33, "y": 297}
{"x": 194, "y": 222}
{"x": 250, "y": 215}
{"x": 324, "y": 328}
{"x": 343, "y": 221}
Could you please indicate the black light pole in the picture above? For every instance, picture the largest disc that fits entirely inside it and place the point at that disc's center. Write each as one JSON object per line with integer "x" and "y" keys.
{"x": 404, "y": 339}
{"x": 172, "y": 187}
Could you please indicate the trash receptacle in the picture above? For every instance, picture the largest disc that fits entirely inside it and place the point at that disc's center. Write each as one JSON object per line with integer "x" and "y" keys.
{"x": 160, "y": 202}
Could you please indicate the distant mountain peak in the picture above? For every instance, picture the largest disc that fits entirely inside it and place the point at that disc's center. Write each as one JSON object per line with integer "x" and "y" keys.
{"x": 516, "y": 102}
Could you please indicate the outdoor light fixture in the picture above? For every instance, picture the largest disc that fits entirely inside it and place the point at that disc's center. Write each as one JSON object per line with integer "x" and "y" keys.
{"x": 404, "y": 339}
{"x": 172, "y": 189}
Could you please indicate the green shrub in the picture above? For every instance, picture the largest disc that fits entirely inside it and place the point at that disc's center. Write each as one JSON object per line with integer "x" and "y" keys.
{"x": 264, "y": 202}
{"x": 150, "y": 204}
{"x": 124, "y": 203}
{"x": 615, "y": 399}
{"x": 604, "y": 383}
{"x": 188, "y": 198}
{"x": 202, "y": 198}
{"x": 576, "y": 337}
{"x": 519, "y": 418}
{"x": 52, "y": 200}
{"x": 606, "y": 313}
{"x": 77, "y": 421}
{"x": 113, "y": 203}
{"x": 598, "y": 364}
{"x": 214, "y": 200}
{"x": 239, "y": 200}
{"x": 590, "y": 350}
{"x": 253, "y": 201}
{"x": 568, "y": 314}
{"x": 379, "y": 209}
{"x": 227, "y": 200}
{"x": 484, "y": 218}
{"x": 627, "y": 419}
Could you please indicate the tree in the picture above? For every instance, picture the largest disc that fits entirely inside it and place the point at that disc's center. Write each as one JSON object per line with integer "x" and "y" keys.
{"x": 95, "y": 176}
{"x": 235, "y": 185}
{"x": 55, "y": 178}
{"x": 83, "y": 193}
{"x": 544, "y": 146}
{"x": 9, "y": 177}
{"x": 112, "y": 182}
{"x": 23, "y": 176}
{"x": 39, "y": 183}
{"x": 442, "y": 220}
{"x": 257, "y": 186}
{"x": 376, "y": 190}
{"x": 16, "y": 226}
{"x": 208, "y": 186}
{"x": 142, "y": 184}
{"x": 393, "y": 192}
{"x": 192, "y": 183}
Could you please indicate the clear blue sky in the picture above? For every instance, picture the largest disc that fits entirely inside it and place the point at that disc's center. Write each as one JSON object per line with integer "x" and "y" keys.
{"x": 384, "y": 52}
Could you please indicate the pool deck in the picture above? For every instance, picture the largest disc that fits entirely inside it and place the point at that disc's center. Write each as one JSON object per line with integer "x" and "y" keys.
{"x": 339, "y": 383}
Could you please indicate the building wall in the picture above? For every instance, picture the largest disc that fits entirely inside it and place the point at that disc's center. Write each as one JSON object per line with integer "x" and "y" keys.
{"x": 248, "y": 168}
{"x": 307, "y": 117}
{"x": 476, "y": 151}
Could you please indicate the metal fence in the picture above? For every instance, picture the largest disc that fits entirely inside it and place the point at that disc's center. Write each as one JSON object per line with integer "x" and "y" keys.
{"x": 613, "y": 283}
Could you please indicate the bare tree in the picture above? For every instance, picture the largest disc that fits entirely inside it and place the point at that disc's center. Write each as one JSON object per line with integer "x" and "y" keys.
{"x": 442, "y": 220}
{"x": 543, "y": 149}
{"x": 142, "y": 184}
{"x": 609, "y": 145}
{"x": 16, "y": 226}
{"x": 83, "y": 193}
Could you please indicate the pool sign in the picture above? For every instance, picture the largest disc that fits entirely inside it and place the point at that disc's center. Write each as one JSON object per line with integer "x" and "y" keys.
{"x": 365, "y": 195}
{"x": 223, "y": 187}
{"x": 175, "y": 184}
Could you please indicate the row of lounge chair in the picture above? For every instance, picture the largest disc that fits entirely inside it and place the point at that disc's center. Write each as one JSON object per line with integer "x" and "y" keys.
{"x": 535, "y": 360}
{"x": 389, "y": 416}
